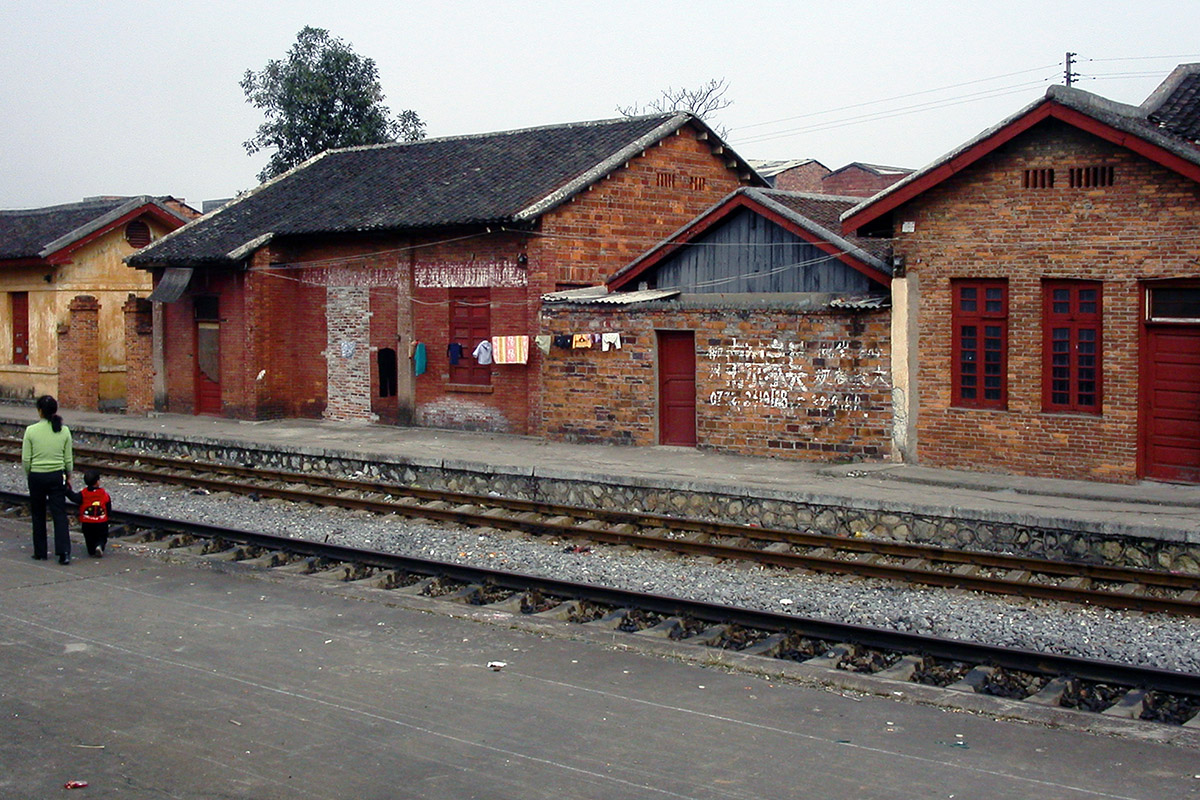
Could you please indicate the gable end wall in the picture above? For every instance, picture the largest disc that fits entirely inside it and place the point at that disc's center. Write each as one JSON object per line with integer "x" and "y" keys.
{"x": 982, "y": 224}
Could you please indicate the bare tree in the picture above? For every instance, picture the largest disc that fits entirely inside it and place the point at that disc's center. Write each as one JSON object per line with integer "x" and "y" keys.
{"x": 704, "y": 101}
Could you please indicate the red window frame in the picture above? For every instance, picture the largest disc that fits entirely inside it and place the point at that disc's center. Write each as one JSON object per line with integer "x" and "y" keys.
{"x": 1072, "y": 328}
{"x": 979, "y": 343}
{"x": 470, "y": 323}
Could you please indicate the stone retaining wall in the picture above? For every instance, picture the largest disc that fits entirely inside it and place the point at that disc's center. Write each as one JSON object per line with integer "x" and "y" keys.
{"x": 996, "y": 535}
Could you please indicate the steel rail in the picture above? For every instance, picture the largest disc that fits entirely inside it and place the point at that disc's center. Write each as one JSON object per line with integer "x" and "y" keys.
{"x": 493, "y": 515}
{"x": 953, "y": 650}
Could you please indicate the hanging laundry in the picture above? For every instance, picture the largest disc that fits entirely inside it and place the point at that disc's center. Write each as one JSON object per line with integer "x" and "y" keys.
{"x": 581, "y": 340}
{"x": 419, "y": 359}
{"x": 608, "y": 340}
{"x": 543, "y": 343}
{"x": 562, "y": 340}
{"x": 510, "y": 349}
{"x": 454, "y": 352}
{"x": 483, "y": 353}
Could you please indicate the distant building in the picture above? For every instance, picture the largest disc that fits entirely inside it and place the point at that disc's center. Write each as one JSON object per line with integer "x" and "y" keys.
{"x": 797, "y": 175}
{"x": 862, "y": 180}
{"x": 808, "y": 175}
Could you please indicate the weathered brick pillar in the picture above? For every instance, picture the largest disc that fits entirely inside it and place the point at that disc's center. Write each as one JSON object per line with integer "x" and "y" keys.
{"x": 139, "y": 355}
{"x": 79, "y": 355}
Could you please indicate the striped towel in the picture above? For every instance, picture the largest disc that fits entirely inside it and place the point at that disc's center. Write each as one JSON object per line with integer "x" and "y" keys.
{"x": 510, "y": 349}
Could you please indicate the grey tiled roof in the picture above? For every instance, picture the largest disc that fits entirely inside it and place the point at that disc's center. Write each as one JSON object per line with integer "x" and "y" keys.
{"x": 826, "y": 211}
{"x": 511, "y": 176}
{"x": 24, "y": 233}
{"x": 1175, "y": 105}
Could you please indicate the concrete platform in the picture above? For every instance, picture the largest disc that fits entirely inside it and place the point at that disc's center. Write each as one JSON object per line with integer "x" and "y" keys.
{"x": 152, "y": 679}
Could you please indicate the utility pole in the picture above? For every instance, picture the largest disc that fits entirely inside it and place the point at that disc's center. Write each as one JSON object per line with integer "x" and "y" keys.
{"x": 1068, "y": 74}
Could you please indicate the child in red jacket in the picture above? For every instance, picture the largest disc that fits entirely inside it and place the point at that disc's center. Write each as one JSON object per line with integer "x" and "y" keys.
{"x": 94, "y": 507}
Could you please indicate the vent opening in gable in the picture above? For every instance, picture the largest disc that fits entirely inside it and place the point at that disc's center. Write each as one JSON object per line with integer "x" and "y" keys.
{"x": 1086, "y": 177}
{"x": 1038, "y": 178}
{"x": 137, "y": 233}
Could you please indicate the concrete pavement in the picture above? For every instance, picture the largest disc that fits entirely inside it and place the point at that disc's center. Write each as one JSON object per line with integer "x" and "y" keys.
{"x": 153, "y": 679}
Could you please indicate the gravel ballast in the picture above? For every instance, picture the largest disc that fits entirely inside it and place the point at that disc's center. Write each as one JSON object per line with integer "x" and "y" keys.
{"x": 1151, "y": 640}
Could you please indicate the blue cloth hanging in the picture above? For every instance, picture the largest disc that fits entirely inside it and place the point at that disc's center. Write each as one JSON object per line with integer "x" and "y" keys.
{"x": 419, "y": 359}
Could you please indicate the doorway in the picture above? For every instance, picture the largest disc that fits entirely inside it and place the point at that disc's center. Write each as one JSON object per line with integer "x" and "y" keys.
{"x": 677, "y": 388}
{"x": 208, "y": 355}
{"x": 1170, "y": 384}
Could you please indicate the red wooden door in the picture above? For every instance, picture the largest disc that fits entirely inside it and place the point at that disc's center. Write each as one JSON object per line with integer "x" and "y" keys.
{"x": 208, "y": 371}
{"x": 1171, "y": 392}
{"x": 20, "y": 327}
{"x": 677, "y": 388}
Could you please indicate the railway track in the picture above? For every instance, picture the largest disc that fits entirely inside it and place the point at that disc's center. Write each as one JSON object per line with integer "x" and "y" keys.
{"x": 1117, "y": 691}
{"x": 1092, "y": 584}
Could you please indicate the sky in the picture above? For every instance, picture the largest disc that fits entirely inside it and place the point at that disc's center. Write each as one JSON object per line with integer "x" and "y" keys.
{"x": 127, "y": 97}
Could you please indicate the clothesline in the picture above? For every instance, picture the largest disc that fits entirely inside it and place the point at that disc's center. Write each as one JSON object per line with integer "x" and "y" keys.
{"x": 515, "y": 349}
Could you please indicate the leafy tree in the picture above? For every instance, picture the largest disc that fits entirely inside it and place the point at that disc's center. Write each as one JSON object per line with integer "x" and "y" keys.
{"x": 704, "y": 101}
{"x": 323, "y": 95}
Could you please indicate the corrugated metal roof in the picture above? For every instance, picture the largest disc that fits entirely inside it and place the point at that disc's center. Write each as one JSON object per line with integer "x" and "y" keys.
{"x": 599, "y": 295}
{"x": 871, "y": 303}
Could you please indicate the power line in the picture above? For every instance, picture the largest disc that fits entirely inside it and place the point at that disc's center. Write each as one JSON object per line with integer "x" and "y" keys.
{"x": 1070, "y": 75}
{"x": 932, "y": 105}
{"x": 1145, "y": 58}
{"x": 896, "y": 97}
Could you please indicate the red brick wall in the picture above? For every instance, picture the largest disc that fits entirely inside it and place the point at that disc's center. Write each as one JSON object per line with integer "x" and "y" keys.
{"x": 804, "y": 178}
{"x": 856, "y": 182}
{"x": 179, "y": 353}
{"x": 622, "y": 216}
{"x": 139, "y": 356}
{"x": 606, "y": 227}
{"x": 812, "y": 386}
{"x": 79, "y": 356}
{"x": 981, "y": 223}
{"x": 488, "y": 261}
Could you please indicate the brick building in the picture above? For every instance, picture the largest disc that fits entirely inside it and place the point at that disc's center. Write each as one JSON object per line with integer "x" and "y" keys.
{"x": 795, "y": 175}
{"x": 49, "y": 258}
{"x": 754, "y": 329}
{"x": 1047, "y": 319}
{"x": 857, "y": 179}
{"x": 362, "y": 284}
{"x": 807, "y": 175}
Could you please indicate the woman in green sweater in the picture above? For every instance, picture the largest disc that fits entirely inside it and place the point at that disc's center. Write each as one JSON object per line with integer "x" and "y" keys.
{"x": 46, "y": 455}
